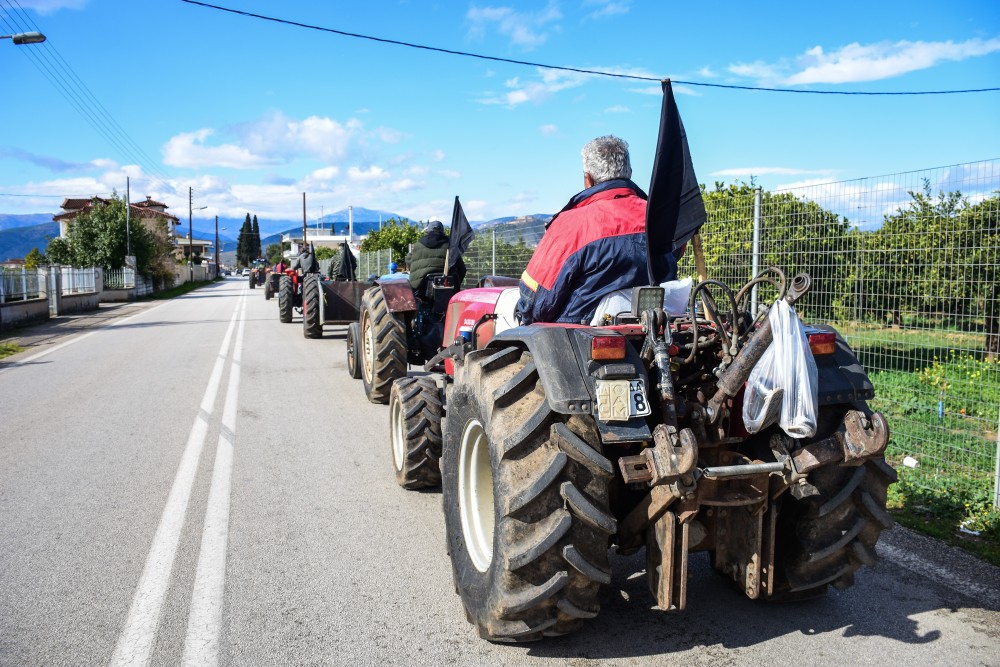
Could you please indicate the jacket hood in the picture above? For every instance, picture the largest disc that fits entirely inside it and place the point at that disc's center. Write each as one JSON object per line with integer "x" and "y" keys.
{"x": 434, "y": 236}
{"x": 584, "y": 195}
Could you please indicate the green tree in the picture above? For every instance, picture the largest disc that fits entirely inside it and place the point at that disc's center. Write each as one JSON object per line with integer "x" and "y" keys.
{"x": 273, "y": 253}
{"x": 255, "y": 239}
{"x": 34, "y": 259}
{"x": 98, "y": 237}
{"x": 395, "y": 236}
{"x": 324, "y": 252}
{"x": 244, "y": 245}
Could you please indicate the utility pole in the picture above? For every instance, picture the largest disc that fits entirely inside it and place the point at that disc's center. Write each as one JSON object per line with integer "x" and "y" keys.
{"x": 218, "y": 254}
{"x": 128, "y": 210}
{"x": 190, "y": 235}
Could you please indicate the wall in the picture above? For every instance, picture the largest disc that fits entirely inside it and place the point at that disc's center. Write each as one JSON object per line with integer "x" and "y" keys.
{"x": 20, "y": 313}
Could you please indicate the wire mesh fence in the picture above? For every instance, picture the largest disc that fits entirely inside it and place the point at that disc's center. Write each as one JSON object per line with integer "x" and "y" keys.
{"x": 904, "y": 266}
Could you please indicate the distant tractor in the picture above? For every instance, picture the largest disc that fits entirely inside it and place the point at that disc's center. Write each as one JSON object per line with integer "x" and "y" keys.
{"x": 320, "y": 300}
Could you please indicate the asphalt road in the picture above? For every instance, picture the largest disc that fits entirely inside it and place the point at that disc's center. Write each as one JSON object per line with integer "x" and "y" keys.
{"x": 197, "y": 483}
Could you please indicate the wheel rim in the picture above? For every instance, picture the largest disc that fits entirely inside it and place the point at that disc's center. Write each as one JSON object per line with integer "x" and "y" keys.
{"x": 475, "y": 494}
{"x": 396, "y": 427}
{"x": 350, "y": 350}
{"x": 368, "y": 349}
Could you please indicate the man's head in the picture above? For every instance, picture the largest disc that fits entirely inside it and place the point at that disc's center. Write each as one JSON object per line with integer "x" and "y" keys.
{"x": 604, "y": 159}
{"x": 434, "y": 226}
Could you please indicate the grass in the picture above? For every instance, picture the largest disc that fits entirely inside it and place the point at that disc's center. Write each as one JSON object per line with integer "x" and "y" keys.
{"x": 181, "y": 289}
{"x": 941, "y": 396}
{"x": 8, "y": 348}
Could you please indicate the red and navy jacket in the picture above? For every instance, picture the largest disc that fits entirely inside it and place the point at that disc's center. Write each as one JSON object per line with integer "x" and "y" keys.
{"x": 595, "y": 245}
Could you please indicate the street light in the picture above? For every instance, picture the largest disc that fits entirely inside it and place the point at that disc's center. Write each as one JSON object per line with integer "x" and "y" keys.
{"x": 191, "y": 234}
{"x": 25, "y": 37}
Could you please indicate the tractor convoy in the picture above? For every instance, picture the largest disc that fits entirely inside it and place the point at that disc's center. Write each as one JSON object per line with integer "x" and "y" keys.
{"x": 555, "y": 443}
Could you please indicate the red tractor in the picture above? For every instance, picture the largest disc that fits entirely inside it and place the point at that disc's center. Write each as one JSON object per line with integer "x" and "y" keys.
{"x": 564, "y": 440}
{"x": 320, "y": 300}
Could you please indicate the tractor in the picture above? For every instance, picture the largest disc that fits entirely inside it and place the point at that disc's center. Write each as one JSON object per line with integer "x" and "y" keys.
{"x": 554, "y": 443}
{"x": 321, "y": 300}
{"x": 400, "y": 326}
{"x": 564, "y": 440}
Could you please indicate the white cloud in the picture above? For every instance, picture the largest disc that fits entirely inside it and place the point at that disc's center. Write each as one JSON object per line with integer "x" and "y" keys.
{"x": 188, "y": 149}
{"x": 857, "y": 62}
{"x": 872, "y": 62}
{"x": 389, "y": 135}
{"x": 449, "y": 173}
{"x": 524, "y": 29}
{"x": 405, "y": 185}
{"x": 766, "y": 171}
{"x": 372, "y": 173}
{"x": 438, "y": 155}
{"x": 607, "y": 8}
{"x": 549, "y": 83}
{"x": 618, "y": 108}
{"x": 417, "y": 170}
{"x": 548, "y": 130}
{"x": 325, "y": 174}
{"x": 44, "y": 7}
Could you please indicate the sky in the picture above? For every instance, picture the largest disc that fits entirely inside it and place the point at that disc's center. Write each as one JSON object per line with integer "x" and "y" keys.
{"x": 249, "y": 114}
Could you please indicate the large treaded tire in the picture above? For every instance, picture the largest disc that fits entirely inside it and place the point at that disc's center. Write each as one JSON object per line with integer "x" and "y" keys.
{"x": 268, "y": 290}
{"x": 525, "y": 494}
{"x": 354, "y": 350}
{"x": 312, "y": 292}
{"x": 253, "y": 282}
{"x": 383, "y": 351}
{"x": 286, "y": 299}
{"x": 415, "y": 413}
{"x": 823, "y": 540}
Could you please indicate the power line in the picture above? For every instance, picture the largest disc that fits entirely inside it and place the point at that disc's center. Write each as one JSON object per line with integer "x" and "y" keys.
{"x": 93, "y": 194}
{"x": 578, "y": 70}
{"x": 69, "y": 85}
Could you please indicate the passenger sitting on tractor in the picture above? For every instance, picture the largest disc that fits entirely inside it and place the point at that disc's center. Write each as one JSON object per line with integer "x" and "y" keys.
{"x": 306, "y": 262}
{"x": 595, "y": 245}
{"x": 394, "y": 273}
{"x": 280, "y": 267}
{"x": 428, "y": 256}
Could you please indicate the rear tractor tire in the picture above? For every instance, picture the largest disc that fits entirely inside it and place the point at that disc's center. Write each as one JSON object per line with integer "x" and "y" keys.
{"x": 286, "y": 299}
{"x": 823, "y": 540}
{"x": 415, "y": 413}
{"x": 268, "y": 291}
{"x": 312, "y": 292}
{"x": 354, "y": 350}
{"x": 525, "y": 494}
{"x": 383, "y": 351}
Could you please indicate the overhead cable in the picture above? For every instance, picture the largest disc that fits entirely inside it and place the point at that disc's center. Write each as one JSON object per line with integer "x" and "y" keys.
{"x": 578, "y": 70}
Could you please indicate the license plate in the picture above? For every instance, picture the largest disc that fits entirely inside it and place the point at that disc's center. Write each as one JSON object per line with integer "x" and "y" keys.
{"x": 620, "y": 400}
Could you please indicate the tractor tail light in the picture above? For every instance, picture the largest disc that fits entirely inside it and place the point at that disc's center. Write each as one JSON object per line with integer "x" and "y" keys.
{"x": 822, "y": 343}
{"x": 607, "y": 348}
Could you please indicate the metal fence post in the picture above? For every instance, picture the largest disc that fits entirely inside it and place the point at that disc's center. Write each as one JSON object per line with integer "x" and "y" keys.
{"x": 493, "y": 269}
{"x": 996, "y": 472}
{"x": 755, "y": 259}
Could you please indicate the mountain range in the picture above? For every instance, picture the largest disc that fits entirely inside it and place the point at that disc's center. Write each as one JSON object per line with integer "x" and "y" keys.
{"x": 20, "y": 233}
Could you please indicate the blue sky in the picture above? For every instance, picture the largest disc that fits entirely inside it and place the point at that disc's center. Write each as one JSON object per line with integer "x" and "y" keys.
{"x": 251, "y": 113}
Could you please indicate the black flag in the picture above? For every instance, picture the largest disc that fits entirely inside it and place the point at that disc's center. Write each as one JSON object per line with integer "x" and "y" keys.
{"x": 461, "y": 236}
{"x": 676, "y": 210}
{"x": 348, "y": 265}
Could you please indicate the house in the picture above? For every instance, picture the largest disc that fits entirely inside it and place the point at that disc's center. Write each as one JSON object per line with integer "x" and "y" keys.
{"x": 148, "y": 212}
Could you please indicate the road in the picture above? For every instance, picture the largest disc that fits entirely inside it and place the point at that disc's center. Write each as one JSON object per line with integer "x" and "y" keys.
{"x": 197, "y": 483}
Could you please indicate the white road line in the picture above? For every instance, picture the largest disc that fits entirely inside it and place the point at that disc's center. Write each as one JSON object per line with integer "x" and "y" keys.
{"x": 201, "y": 646}
{"x": 135, "y": 644}
{"x": 77, "y": 339}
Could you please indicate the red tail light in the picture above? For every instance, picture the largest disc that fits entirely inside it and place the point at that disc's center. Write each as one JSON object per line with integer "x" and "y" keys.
{"x": 607, "y": 348}
{"x": 822, "y": 343}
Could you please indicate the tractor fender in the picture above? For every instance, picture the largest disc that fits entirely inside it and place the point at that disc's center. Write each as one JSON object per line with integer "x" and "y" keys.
{"x": 562, "y": 358}
{"x": 398, "y": 294}
{"x": 841, "y": 377}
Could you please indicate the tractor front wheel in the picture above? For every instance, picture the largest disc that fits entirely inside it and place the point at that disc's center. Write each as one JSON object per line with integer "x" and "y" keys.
{"x": 354, "y": 350}
{"x": 312, "y": 292}
{"x": 383, "y": 338}
{"x": 415, "y": 413}
{"x": 286, "y": 299}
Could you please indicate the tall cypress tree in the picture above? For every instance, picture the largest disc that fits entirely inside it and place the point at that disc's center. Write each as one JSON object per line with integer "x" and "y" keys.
{"x": 256, "y": 238}
{"x": 244, "y": 249}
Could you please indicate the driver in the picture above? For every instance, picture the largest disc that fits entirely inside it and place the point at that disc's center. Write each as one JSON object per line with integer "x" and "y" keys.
{"x": 306, "y": 262}
{"x": 595, "y": 245}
